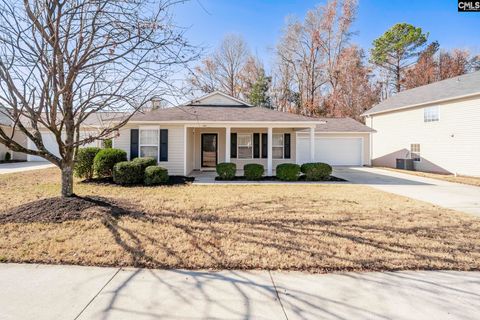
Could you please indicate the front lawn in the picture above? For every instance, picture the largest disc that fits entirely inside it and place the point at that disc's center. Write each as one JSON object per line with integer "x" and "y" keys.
{"x": 317, "y": 228}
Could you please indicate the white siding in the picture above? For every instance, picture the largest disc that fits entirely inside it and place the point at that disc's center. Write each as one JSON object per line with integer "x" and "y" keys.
{"x": 451, "y": 145}
{"x": 175, "y": 163}
{"x": 18, "y": 137}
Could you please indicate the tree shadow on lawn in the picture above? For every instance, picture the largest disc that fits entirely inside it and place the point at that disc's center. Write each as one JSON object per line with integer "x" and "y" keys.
{"x": 220, "y": 240}
{"x": 275, "y": 240}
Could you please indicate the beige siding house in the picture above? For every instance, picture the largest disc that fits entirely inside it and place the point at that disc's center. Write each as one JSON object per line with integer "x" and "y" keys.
{"x": 6, "y": 126}
{"x": 437, "y": 126}
{"x": 219, "y": 128}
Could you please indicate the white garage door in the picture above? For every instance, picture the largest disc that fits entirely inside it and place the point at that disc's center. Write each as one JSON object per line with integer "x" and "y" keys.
{"x": 341, "y": 151}
{"x": 50, "y": 143}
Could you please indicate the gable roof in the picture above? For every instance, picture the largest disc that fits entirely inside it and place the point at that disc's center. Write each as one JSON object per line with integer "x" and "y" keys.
{"x": 216, "y": 113}
{"x": 453, "y": 88}
{"x": 218, "y": 98}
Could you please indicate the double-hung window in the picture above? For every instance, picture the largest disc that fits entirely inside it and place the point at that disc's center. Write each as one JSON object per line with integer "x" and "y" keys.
{"x": 149, "y": 141}
{"x": 430, "y": 114}
{"x": 244, "y": 146}
{"x": 415, "y": 152}
{"x": 277, "y": 146}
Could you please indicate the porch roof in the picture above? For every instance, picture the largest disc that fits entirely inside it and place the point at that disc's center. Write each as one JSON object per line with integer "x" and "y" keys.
{"x": 224, "y": 113}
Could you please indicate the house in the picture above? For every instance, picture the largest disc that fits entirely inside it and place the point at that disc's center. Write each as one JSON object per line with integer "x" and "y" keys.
{"x": 219, "y": 128}
{"x": 7, "y": 127}
{"x": 91, "y": 126}
{"x": 436, "y": 125}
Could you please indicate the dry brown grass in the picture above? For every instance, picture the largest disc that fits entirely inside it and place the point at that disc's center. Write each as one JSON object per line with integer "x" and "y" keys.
{"x": 473, "y": 181}
{"x": 318, "y": 228}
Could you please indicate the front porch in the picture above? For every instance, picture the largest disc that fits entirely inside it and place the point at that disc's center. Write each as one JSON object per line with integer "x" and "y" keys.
{"x": 205, "y": 146}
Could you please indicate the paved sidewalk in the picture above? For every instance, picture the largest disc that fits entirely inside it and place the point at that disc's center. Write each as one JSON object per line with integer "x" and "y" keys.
{"x": 450, "y": 195}
{"x": 23, "y": 166}
{"x": 71, "y": 292}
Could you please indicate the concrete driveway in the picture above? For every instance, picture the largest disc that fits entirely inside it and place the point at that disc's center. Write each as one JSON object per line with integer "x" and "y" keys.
{"x": 23, "y": 166}
{"x": 72, "y": 292}
{"x": 455, "y": 196}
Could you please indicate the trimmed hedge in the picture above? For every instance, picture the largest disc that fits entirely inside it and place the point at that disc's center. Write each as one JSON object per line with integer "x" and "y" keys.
{"x": 145, "y": 162}
{"x": 84, "y": 162}
{"x": 253, "y": 171}
{"x": 127, "y": 173}
{"x": 155, "y": 175}
{"x": 105, "y": 160}
{"x": 316, "y": 171}
{"x": 288, "y": 171}
{"x": 226, "y": 170}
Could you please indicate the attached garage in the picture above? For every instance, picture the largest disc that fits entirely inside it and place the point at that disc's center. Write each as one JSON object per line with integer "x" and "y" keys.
{"x": 336, "y": 151}
{"x": 338, "y": 142}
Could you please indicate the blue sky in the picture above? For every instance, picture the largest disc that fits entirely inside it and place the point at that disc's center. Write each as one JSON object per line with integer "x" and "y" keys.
{"x": 260, "y": 22}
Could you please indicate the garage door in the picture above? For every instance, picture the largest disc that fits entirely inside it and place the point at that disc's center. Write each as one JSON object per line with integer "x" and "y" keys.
{"x": 341, "y": 151}
{"x": 49, "y": 142}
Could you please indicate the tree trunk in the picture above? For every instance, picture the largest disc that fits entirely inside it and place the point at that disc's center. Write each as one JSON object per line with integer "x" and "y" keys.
{"x": 67, "y": 180}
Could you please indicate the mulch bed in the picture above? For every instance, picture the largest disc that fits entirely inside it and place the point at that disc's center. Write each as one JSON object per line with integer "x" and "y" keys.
{"x": 172, "y": 181}
{"x": 58, "y": 209}
{"x": 302, "y": 178}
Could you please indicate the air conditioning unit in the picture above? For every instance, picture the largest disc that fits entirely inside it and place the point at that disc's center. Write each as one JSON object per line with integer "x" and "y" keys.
{"x": 405, "y": 164}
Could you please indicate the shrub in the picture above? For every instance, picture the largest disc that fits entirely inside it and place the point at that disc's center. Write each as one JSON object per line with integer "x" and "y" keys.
{"x": 253, "y": 171}
{"x": 316, "y": 171}
{"x": 84, "y": 162}
{"x": 127, "y": 172}
{"x": 155, "y": 175}
{"x": 226, "y": 170}
{"x": 145, "y": 162}
{"x": 107, "y": 143}
{"x": 105, "y": 160}
{"x": 8, "y": 156}
{"x": 288, "y": 171}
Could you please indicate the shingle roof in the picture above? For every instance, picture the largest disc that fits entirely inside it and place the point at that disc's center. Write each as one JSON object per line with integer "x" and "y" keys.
{"x": 464, "y": 85}
{"x": 219, "y": 113}
{"x": 341, "y": 125}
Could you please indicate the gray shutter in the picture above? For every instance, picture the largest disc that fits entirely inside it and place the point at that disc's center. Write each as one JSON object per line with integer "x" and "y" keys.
{"x": 233, "y": 145}
{"x": 286, "y": 145}
{"x": 163, "y": 144}
{"x": 133, "y": 144}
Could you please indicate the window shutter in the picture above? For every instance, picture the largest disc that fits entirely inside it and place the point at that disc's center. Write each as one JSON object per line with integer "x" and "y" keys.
{"x": 133, "y": 144}
{"x": 286, "y": 145}
{"x": 233, "y": 145}
{"x": 264, "y": 145}
{"x": 256, "y": 145}
{"x": 163, "y": 144}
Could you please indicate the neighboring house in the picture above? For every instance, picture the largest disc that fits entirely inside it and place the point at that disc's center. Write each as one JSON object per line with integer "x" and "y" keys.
{"x": 436, "y": 125}
{"x": 219, "y": 128}
{"x": 6, "y": 125}
{"x": 90, "y": 126}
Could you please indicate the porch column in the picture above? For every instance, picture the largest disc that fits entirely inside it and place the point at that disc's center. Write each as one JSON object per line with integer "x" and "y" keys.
{"x": 227, "y": 143}
{"x": 270, "y": 152}
{"x": 312, "y": 144}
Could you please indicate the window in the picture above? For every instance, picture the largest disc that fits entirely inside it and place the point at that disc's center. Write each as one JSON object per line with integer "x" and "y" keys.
{"x": 244, "y": 146}
{"x": 415, "y": 152}
{"x": 430, "y": 114}
{"x": 149, "y": 143}
{"x": 277, "y": 146}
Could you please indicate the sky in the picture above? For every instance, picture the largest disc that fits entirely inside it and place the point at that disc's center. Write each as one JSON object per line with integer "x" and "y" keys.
{"x": 260, "y": 22}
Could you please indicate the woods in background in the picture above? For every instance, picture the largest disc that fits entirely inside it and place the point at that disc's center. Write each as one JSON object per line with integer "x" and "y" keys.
{"x": 319, "y": 71}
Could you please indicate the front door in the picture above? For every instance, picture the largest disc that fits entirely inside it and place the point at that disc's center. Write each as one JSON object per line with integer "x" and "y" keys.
{"x": 209, "y": 150}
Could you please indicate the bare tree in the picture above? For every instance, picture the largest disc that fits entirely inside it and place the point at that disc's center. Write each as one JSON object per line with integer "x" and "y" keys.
{"x": 309, "y": 51}
{"x": 62, "y": 62}
{"x": 223, "y": 69}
